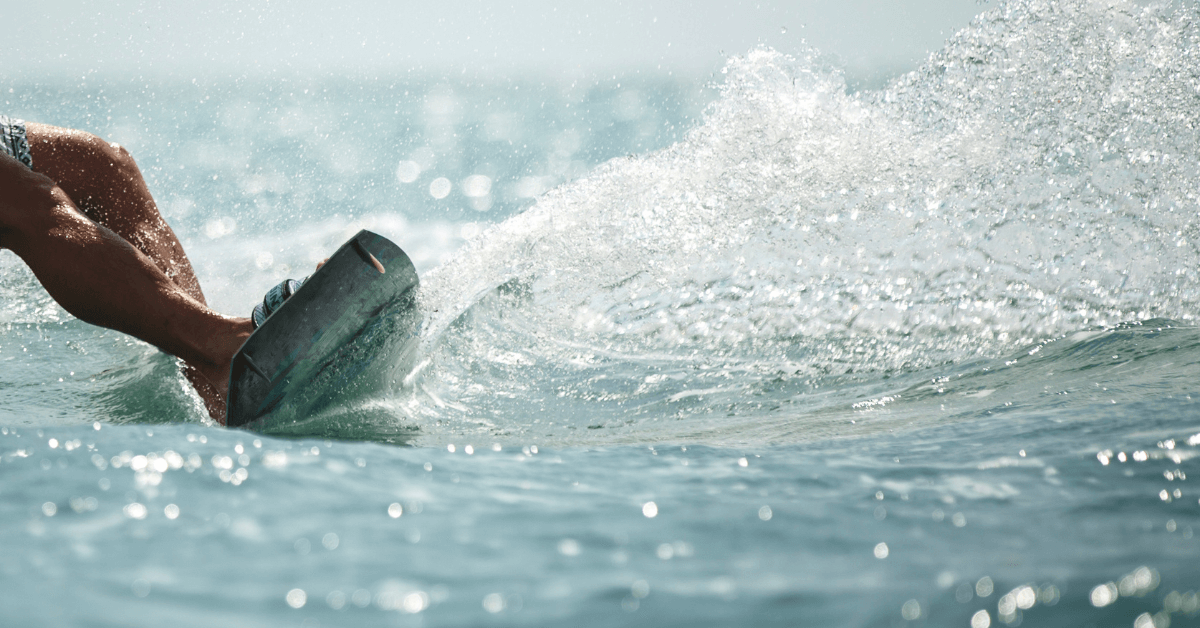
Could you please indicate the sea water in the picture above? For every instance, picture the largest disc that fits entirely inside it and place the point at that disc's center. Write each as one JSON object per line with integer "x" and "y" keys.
{"x": 749, "y": 350}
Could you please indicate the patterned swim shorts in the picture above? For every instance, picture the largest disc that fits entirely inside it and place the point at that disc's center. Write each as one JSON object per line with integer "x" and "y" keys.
{"x": 13, "y": 140}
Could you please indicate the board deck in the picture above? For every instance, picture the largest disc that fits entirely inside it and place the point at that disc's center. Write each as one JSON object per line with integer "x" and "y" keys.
{"x": 346, "y": 330}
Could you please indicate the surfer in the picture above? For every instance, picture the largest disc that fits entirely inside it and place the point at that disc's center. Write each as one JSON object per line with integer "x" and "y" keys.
{"x": 77, "y": 211}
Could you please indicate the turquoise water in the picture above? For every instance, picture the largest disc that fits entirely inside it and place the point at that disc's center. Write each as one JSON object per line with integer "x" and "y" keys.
{"x": 758, "y": 353}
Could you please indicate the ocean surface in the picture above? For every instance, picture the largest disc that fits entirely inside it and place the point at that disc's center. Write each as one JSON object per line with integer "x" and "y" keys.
{"x": 752, "y": 349}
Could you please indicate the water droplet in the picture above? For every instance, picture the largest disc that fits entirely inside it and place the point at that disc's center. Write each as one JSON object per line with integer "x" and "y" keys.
{"x": 493, "y": 603}
{"x": 408, "y": 171}
{"x": 440, "y": 188}
{"x": 296, "y": 598}
{"x": 569, "y": 547}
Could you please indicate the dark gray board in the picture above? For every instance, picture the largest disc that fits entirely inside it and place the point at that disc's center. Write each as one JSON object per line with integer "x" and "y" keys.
{"x": 345, "y": 333}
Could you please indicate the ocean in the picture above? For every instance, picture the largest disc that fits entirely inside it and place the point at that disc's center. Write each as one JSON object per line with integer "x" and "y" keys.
{"x": 750, "y": 349}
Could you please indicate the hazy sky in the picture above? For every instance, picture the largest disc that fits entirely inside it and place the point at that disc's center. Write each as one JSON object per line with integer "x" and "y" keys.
{"x": 249, "y": 36}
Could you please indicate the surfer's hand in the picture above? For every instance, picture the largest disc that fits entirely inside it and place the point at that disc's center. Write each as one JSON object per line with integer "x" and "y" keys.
{"x": 322, "y": 263}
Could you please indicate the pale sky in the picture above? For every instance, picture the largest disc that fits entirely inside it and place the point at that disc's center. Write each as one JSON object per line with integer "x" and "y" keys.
{"x": 225, "y": 37}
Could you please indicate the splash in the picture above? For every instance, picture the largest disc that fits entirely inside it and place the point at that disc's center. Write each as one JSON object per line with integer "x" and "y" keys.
{"x": 1037, "y": 176}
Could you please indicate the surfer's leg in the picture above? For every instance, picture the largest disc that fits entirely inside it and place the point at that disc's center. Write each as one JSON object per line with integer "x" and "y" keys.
{"x": 104, "y": 182}
{"x": 100, "y": 278}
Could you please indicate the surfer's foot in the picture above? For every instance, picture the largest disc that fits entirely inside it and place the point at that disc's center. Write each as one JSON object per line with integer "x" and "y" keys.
{"x": 210, "y": 378}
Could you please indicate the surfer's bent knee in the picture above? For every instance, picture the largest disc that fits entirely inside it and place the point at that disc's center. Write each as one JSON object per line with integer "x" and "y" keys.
{"x": 78, "y": 158}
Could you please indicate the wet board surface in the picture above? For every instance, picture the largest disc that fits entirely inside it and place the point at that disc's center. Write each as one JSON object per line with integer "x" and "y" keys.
{"x": 346, "y": 332}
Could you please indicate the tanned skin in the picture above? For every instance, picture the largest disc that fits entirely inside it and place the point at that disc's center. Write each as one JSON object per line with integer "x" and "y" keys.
{"x": 84, "y": 222}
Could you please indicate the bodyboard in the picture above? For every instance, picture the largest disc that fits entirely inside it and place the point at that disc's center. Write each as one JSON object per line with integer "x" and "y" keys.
{"x": 345, "y": 332}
